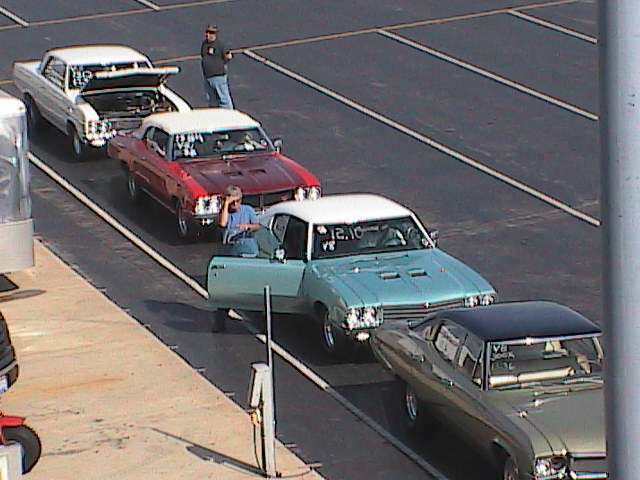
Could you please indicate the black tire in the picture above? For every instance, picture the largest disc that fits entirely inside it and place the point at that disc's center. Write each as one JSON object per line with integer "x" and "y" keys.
{"x": 133, "y": 189}
{"x": 510, "y": 469}
{"x": 334, "y": 341}
{"x": 187, "y": 228}
{"x": 34, "y": 117}
{"x": 220, "y": 317}
{"x": 78, "y": 148}
{"x": 28, "y": 439}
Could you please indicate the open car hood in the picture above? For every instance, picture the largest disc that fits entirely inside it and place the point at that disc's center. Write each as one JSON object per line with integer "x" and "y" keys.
{"x": 128, "y": 78}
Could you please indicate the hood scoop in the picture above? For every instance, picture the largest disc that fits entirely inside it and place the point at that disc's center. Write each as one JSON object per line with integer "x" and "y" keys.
{"x": 418, "y": 272}
{"x": 257, "y": 171}
{"x": 389, "y": 275}
{"x": 237, "y": 173}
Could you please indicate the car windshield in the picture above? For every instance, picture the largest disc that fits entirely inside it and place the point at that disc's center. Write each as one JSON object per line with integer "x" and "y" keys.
{"x": 550, "y": 361}
{"x": 79, "y": 75}
{"x": 190, "y": 145}
{"x": 379, "y": 236}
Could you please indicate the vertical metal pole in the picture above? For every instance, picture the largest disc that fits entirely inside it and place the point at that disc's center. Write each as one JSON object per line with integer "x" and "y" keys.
{"x": 269, "y": 422}
{"x": 619, "y": 41}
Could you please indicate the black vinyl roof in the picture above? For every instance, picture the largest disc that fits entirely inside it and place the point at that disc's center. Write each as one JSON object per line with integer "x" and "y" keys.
{"x": 514, "y": 320}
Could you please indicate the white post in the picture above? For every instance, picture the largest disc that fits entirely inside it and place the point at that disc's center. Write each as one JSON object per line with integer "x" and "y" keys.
{"x": 619, "y": 41}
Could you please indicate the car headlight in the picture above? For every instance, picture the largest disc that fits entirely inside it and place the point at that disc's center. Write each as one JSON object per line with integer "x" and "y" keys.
{"x": 306, "y": 193}
{"x": 471, "y": 301}
{"x": 97, "y": 129}
{"x": 313, "y": 193}
{"x": 207, "y": 205}
{"x": 487, "y": 299}
{"x": 352, "y": 318}
{"x": 550, "y": 467}
{"x": 299, "y": 194}
{"x": 367, "y": 317}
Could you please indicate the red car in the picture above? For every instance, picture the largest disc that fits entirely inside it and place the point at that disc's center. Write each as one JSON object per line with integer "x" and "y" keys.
{"x": 185, "y": 160}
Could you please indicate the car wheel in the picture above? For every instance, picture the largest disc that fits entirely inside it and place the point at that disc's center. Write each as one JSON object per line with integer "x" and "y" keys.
{"x": 333, "y": 340}
{"x": 78, "y": 147}
{"x": 510, "y": 469}
{"x": 418, "y": 418}
{"x": 34, "y": 117}
{"x": 28, "y": 440}
{"x": 135, "y": 195}
{"x": 186, "y": 225}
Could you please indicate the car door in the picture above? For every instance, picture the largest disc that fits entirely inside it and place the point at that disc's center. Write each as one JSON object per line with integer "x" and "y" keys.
{"x": 151, "y": 163}
{"x": 238, "y": 282}
{"x": 55, "y": 104}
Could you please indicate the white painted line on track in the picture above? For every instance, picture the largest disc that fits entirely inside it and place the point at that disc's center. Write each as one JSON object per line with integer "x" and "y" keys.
{"x": 149, "y": 4}
{"x": 14, "y": 17}
{"x": 297, "y": 364}
{"x": 490, "y": 75}
{"x": 429, "y": 141}
{"x": 133, "y": 238}
{"x": 553, "y": 26}
{"x": 326, "y": 387}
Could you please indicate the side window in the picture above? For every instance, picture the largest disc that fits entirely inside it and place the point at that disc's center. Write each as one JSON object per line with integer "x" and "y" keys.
{"x": 54, "y": 71}
{"x": 161, "y": 139}
{"x": 449, "y": 337}
{"x": 295, "y": 239}
{"x": 156, "y": 140}
{"x": 279, "y": 226}
{"x": 469, "y": 360}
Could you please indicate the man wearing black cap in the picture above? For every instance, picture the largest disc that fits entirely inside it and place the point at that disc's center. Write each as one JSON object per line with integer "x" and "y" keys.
{"x": 214, "y": 68}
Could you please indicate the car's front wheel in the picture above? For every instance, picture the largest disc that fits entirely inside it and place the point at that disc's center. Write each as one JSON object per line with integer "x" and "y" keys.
{"x": 78, "y": 147}
{"x": 334, "y": 341}
{"x": 418, "y": 418}
{"x": 133, "y": 189}
{"x": 510, "y": 469}
{"x": 187, "y": 228}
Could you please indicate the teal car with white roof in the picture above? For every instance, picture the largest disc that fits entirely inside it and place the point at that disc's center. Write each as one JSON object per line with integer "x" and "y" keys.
{"x": 350, "y": 261}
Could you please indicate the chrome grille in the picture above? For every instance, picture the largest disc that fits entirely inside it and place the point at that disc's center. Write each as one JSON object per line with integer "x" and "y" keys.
{"x": 417, "y": 311}
{"x": 262, "y": 200}
{"x": 589, "y": 466}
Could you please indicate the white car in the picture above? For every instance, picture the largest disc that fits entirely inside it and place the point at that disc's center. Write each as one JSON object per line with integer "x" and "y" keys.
{"x": 92, "y": 92}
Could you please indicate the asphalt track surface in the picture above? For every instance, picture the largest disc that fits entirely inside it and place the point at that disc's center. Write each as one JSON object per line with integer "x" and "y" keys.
{"x": 480, "y": 115}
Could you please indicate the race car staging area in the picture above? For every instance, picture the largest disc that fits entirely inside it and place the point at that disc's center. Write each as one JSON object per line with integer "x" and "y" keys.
{"x": 527, "y": 246}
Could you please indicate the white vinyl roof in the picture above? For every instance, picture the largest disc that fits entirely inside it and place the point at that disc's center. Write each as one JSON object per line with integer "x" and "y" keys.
{"x": 10, "y": 105}
{"x": 337, "y": 209}
{"x": 200, "y": 120}
{"x": 98, "y": 55}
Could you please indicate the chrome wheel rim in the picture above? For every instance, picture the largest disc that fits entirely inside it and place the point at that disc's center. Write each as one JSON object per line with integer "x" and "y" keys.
{"x": 77, "y": 143}
{"x": 329, "y": 336}
{"x": 510, "y": 471}
{"x": 133, "y": 186}
{"x": 411, "y": 403}
{"x": 182, "y": 222}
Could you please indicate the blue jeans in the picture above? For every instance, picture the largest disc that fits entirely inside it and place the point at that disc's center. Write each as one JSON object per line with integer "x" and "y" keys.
{"x": 216, "y": 90}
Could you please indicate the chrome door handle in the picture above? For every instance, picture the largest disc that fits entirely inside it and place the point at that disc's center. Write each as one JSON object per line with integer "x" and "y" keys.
{"x": 217, "y": 267}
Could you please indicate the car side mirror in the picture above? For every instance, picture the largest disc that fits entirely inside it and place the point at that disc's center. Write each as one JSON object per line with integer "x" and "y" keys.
{"x": 280, "y": 255}
{"x": 277, "y": 142}
{"x": 434, "y": 235}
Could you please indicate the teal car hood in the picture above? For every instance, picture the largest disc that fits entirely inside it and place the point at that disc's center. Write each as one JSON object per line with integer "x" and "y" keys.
{"x": 569, "y": 418}
{"x": 415, "y": 276}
